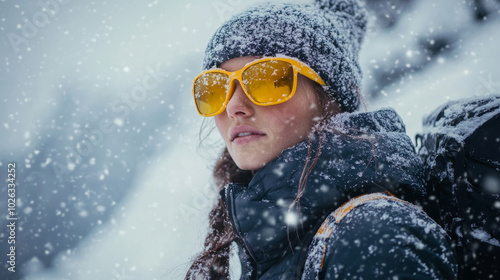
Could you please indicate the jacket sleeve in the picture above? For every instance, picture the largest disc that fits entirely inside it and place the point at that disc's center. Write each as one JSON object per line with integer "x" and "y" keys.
{"x": 388, "y": 240}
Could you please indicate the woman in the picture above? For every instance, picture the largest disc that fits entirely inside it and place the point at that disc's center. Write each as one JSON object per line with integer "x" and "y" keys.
{"x": 310, "y": 188}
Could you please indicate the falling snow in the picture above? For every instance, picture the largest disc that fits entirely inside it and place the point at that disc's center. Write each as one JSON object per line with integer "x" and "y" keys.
{"x": 96, "y": 142}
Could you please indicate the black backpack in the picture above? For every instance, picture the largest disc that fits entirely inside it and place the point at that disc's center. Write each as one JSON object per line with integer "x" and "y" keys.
{"x": 460, "y": 148}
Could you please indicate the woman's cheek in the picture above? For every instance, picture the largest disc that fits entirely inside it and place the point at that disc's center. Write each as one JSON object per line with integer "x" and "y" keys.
{"x": 222, "y": 126}
{"x": 280, "y": 123}
{"x": 285, "y": 117}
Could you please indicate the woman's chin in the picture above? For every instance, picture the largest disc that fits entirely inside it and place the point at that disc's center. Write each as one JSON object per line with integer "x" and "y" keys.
{"x": 251, "y": 162}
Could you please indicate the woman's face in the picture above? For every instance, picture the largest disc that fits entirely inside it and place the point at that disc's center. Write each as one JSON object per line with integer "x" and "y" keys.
{"x": 255, "y": 135}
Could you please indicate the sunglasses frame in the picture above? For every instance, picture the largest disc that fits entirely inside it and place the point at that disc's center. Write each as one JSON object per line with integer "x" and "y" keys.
{"x": 297, "y": 66}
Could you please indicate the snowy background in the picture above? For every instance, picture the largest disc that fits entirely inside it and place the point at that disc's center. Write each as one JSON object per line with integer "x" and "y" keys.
{"x": 98, "y": 116}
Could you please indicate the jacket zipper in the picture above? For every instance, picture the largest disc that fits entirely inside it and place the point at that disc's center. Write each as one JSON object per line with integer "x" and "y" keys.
{"x": 229, "y": 202}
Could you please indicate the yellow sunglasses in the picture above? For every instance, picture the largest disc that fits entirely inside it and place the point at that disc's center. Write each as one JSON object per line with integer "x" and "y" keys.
{"x": 266, "y": 81}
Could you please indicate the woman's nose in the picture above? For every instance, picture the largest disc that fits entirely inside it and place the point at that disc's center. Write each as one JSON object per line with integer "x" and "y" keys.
{"x": 239, "y": 105}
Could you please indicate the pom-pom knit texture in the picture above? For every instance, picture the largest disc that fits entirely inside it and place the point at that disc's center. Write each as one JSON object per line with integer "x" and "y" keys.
{"x": 325, "y": 35}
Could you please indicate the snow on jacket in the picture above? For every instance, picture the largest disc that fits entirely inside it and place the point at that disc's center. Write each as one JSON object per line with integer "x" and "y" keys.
{"x": 364, "y": 153}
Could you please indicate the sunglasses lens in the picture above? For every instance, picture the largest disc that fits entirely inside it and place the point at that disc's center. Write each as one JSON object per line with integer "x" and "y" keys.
{"x": 269, "y": 81}
{"x": 210, "y": 92}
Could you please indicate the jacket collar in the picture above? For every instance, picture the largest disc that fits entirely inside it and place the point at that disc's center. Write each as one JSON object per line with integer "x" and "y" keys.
{"x": 360, "y": 153}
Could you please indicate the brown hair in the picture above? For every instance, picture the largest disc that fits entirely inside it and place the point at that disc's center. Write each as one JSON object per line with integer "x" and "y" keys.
{"x": 213, "y": 261}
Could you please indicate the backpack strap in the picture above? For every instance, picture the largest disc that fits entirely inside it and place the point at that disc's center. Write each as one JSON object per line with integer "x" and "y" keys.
{"x": 317, "y": 249}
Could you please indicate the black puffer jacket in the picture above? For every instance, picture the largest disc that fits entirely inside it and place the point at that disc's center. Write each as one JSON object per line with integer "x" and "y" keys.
{"x": 367, "y": 152}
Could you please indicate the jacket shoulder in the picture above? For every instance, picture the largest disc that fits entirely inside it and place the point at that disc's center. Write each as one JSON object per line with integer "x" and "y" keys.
{"x": 386, "y": 238}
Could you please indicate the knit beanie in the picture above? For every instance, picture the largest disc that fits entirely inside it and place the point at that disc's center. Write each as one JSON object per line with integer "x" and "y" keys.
{"x": 326, "y": 35}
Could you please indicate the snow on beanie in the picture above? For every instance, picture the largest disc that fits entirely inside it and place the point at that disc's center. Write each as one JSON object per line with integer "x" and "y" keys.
{"x": 325, "y": 35}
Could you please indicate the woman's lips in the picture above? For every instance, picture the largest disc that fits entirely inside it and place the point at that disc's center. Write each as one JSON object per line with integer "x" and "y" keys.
{"x": 244, "y": 134}
{"x": 246, "y": 139}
